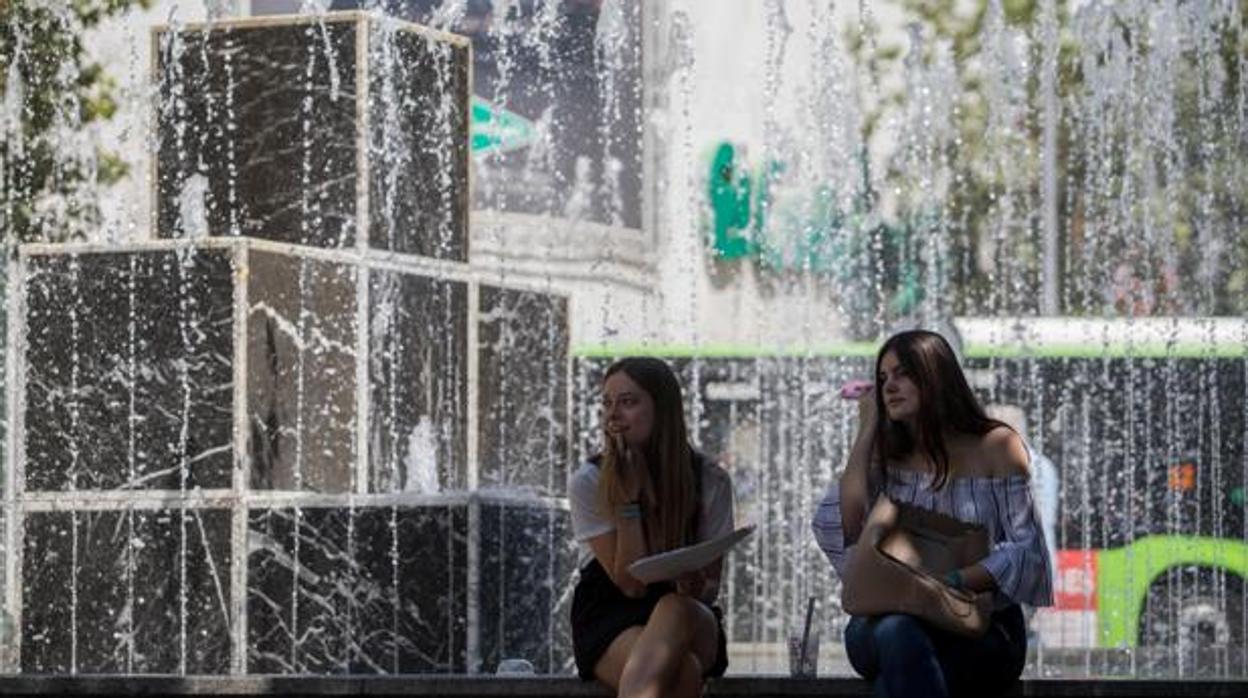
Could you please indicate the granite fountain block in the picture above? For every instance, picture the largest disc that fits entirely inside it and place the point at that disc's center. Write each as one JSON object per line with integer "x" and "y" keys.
{"x": 122, "y": 348}
{"x": 248, "y": 455}
{"x": 344, "y": 130}
{"x": 417, "y": 368}
{"x": 527, "y": 574}
{"x": 387, "y": 589}
{"x": 126, "y": 591}
{"x": 137, "y": 361}
{"x": 125, "y": 348}
{"x": 374, "y": 589}
{"x": 524, "y": 399}
{"x": 301, "y": 372}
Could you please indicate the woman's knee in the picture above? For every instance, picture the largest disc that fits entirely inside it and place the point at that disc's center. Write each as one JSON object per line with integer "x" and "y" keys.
{"x": 897, "y": 627}
{"x": 685, "y": 624}
{"x": 860, "y": 647}
{"x": 691, "y": 671}
{"x": 677, "y": 605}
{"x": 684, "y": 611}
{"x": 901, "y": 638}
{"x": 858, "y": 629}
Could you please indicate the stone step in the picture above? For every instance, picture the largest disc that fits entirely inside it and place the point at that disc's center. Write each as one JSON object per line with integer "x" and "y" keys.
{"x": 552, "y": 687}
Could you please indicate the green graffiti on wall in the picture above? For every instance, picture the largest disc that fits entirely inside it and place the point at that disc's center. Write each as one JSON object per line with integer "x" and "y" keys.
{"x": 495, "y": 129}
{"x": 811, "y": 231}
{"x": 730, "y": 205}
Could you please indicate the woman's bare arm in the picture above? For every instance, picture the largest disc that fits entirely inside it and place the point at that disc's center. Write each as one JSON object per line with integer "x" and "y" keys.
{"x": 617, "y": 550}
{"x": 620, "y": 548}
{"x": 854, "y": 495}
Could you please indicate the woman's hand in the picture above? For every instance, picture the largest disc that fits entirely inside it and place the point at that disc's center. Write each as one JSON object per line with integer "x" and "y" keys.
{"x": 974, "y": 578}
{"x": 692, "y": 583}
{"x": 867, "y": 417}
{"x": 634, "y": 475}
{"x": 856, "y": 388}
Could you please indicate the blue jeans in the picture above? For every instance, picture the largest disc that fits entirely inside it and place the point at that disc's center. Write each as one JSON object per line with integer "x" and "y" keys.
{"x": 905, "y": 657}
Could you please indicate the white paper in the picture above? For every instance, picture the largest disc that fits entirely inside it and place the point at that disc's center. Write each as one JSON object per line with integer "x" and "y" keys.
{"x": 673, "y": 563}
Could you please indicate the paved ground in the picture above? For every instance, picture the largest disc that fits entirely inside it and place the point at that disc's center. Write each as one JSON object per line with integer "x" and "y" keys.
{"x": 557, "y": 687}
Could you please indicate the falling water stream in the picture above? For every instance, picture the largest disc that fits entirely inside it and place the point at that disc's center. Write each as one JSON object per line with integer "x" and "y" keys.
{"x": 310, "y": 432}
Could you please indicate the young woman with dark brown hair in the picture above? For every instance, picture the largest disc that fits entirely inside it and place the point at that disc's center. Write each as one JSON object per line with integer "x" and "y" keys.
{"x": 647, "y": 492}
{"x": 933, "y": 446}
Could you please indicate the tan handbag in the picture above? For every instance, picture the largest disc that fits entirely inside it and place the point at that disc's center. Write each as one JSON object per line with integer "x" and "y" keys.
{"x": 901, "y": 555}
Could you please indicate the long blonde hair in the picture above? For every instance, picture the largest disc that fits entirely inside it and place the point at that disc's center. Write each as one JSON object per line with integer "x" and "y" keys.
{"x": 670, "y": 485}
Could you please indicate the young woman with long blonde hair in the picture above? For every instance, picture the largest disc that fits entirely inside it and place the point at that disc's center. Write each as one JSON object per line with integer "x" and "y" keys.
{"x": 647, "y": 492}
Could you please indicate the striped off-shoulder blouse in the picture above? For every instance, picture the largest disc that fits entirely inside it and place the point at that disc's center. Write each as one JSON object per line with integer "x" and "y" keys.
{"x": 1018, "y": 559}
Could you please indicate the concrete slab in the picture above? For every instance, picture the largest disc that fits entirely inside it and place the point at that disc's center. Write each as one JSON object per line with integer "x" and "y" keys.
{"x": 547, "y": 686}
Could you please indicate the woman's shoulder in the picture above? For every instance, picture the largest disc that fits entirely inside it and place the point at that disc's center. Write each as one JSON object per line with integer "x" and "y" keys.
{"x": 1004, "y": 453}
{"x": 586, "y": 475}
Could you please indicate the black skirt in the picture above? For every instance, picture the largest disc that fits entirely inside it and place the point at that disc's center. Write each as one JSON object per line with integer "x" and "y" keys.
{"x": 600, "y": 612}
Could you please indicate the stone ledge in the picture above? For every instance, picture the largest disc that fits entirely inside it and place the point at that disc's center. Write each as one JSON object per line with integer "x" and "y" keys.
{"x": 550, "y": 687}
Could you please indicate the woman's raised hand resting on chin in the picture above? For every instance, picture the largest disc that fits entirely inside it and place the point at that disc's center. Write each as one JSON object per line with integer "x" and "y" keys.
{"x": 634, "y": 472}
{"x": 855, "y": 498}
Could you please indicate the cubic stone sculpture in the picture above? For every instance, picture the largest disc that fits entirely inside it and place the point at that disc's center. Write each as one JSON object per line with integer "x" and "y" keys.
{"x": 221, "y": 373}
{"x": 200, "y": 334}
{"x": 240, "y": 454}
{"x": 345, "y": 130}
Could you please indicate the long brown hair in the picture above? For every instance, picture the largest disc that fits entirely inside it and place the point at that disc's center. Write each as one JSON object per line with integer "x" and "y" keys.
{"x": 946, "y": 402}
{"x": 672, "y": 497}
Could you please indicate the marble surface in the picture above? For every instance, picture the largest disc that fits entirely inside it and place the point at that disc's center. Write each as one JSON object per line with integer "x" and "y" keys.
{"x": 260, "y": 128}
{"x": 417, "y": 143}
{"x": 418, "y": 374}
{"x": 249, "y": 143}
{"x": 385, "y": 589}
{"x": 301, "y": 372}
{"x": 143, "y": 591}
{"x": 528, "y": 571}
{"x": 751, "y": 686}
{"x": 524, "y": 401}
{"x": 125, "y": 347}
{"x": 122, "y": 349}
{"x": 362, "y": 590}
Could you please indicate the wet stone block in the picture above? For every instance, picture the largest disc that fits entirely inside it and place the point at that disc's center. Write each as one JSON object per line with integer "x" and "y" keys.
{"x": 125, "y": 349}
{"x": 122, "y": 349}
{"x": 6, "y": 268}
{"x": 386, "y": 589}
{"x": 528, "y": 568}
{"x": 343, "y": 131}
{"x": 524, "y": 400}
{"x": 301, "y": 372}
{"x": 359, "y": 590}
{"x": 141, "y": 591}
{"x": 418, "y": 376}
{"x": 418, "y": 136}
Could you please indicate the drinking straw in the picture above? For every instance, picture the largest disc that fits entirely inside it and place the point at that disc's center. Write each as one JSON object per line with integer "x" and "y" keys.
{"x": 801, "y": 657}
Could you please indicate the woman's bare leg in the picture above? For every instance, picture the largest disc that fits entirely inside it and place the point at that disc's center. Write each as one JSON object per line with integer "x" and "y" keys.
{"x": 611, "y": 664}
{"x": 679, "y": 626}
{"x": 689, "y": 679}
